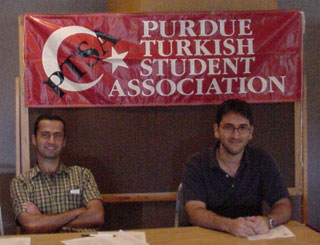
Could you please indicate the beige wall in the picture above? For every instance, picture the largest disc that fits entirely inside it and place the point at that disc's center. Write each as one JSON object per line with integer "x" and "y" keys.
{"x": 311, "y": 9}
{"x": 189, "y": 5}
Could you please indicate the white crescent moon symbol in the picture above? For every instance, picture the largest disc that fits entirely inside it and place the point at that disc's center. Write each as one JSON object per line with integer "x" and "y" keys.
{"x": 50, "y": 52}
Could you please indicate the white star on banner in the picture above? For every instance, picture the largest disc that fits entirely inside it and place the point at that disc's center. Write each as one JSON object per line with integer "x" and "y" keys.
{"x": 116, "y": 60}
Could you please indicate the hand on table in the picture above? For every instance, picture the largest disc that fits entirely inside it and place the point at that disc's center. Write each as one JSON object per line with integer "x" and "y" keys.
{"x": 242, "y": 227}
{"x": 261, "y": 224}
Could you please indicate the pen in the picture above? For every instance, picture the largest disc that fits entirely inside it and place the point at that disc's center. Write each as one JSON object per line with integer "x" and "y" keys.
{"x": 98, "y": 235}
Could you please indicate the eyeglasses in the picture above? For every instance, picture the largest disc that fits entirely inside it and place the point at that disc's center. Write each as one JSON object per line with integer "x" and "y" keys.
{"x": 229, "y": 128}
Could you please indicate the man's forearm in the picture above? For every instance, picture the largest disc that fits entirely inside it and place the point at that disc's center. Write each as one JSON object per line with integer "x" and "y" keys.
{"x": 281, "y": 211}
{"x": 200, "y": 216}
{"x": 45, "y": 223}
{"x": 92, "y": 217}
{"x": 208, "y": 219}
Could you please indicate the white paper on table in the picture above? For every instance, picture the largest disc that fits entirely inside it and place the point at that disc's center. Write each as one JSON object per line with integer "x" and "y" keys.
{"x": 278, "y": 232}
{"x": 120, "y": 238}
{"x": 15, "y": 241}
{"x": 87, "y": 241}
{"x": 134, "y": 235}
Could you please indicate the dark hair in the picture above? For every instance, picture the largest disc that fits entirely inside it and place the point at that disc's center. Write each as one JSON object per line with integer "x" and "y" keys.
{"x": 50, "y": 118}
{"x": 236, "y": 106}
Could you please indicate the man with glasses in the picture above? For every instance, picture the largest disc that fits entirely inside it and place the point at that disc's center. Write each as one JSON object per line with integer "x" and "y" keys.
{"x": 224, "y": 186}
{"x": 53, "y": 197}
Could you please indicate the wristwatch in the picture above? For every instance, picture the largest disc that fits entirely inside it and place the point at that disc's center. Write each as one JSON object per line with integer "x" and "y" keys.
{"x": 272, "y": 222}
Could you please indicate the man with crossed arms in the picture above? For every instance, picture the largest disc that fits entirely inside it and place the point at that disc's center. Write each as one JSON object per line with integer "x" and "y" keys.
{"x": 52, "y": 197}
{"x": 224, "y": 186}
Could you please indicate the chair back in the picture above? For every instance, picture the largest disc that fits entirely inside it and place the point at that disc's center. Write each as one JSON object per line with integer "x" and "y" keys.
{"x": 1, "y": 223}
{"x": 179, "y": 211}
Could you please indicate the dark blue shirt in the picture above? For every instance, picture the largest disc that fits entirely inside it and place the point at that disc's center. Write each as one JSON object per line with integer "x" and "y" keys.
{"x": 257, "y": 179}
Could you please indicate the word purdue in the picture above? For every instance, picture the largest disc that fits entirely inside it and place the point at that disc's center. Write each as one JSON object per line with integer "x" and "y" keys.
{"x": 204, "y": 28}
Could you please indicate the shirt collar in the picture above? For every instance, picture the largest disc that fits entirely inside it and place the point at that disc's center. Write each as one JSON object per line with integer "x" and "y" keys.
{"x": 213, "y": 156}
{"x": 35, "y": 171}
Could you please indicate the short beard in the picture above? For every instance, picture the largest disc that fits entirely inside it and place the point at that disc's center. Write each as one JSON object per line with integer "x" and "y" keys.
{"x": 229, "y": 151}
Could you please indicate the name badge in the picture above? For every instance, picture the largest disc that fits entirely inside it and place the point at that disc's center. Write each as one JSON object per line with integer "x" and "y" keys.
{"x": 75, "y": 192}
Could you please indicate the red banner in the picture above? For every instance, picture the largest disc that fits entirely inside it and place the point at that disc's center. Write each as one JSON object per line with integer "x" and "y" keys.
{"x": 162, "y": 58}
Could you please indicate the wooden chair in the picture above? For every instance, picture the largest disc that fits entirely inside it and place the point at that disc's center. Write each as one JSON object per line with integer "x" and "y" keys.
{"x": 141, "y": 198}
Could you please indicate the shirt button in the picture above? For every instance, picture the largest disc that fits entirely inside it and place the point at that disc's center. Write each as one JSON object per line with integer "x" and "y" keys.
{"x": 232, "y": 186}
{"x": 227, "y": 175}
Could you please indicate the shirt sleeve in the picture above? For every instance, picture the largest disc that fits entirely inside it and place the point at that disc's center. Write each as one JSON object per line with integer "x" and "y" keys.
{"x": 90, "y": 189}
{"x": 19, "y": 195}
{"x": 193, "y": 182}
{"x": 273, "y": 187}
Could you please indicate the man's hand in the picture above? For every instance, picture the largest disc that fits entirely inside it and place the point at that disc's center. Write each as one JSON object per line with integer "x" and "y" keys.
{"x": 242, "y": 227}
{"x": 31, "y": 208}
{"x": 261, "y": 224}
{"x": 200, "y": 216}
